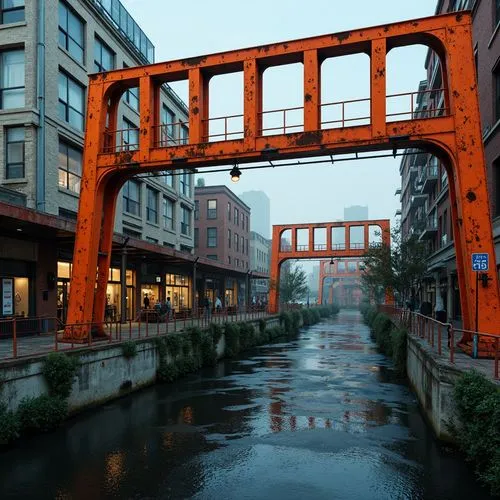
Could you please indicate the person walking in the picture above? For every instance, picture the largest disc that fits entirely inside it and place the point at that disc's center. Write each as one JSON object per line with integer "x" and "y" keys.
{"x": 168, "y": 308}
{"x": 146, "y": 301}
{"x": 206, "y": 305}
{"x": 218, "y": 305}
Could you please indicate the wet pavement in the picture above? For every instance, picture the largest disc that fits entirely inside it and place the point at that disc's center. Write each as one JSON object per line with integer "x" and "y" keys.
{"x": 320, "y": 417}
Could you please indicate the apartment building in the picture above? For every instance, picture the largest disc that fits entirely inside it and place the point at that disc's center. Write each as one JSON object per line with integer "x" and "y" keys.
{"x": 260, "y": 258}
{"x": 425, "y": 198}
{"x": 222, "y": 234}
{"x": 47, "y": 50}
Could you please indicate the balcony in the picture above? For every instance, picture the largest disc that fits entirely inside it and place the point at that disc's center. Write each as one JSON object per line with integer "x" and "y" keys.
{"x": 417, "y": 200}
{"x": 398, "y": 192}
{"x": 429, "y": 230}
{"x": 428, "y": 178}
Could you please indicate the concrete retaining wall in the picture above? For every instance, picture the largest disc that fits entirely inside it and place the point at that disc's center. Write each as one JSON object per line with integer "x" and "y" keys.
{"x": 103, "y": 374}
{"x": 432, "y": 380}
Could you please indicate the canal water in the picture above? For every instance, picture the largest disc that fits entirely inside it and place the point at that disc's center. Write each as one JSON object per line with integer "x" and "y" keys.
{"x": 320, "y": 417}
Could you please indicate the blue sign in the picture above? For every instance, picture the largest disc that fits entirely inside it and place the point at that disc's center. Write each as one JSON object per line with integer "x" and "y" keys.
{"x": 480, "y": 262}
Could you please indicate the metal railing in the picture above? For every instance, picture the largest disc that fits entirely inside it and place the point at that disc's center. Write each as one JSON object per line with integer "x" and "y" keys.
{"x": 339, "y": 114}
{"x": 29, "y": 337}
{"x": 442, "y": 337}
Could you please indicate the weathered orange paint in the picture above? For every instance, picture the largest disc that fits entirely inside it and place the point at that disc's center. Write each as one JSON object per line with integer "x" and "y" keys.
{"x": 326, "y": 270}
{"x": 280, "y": 254}
{"x": 454, "y": 138}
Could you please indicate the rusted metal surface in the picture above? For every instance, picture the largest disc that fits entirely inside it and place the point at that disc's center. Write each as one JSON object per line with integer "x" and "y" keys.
{"x": 454, "y": 137}
{"x": 283, "y": 250}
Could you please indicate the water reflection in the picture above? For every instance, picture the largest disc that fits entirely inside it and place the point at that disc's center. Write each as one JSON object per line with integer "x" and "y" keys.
{"x": 321, "y": 417}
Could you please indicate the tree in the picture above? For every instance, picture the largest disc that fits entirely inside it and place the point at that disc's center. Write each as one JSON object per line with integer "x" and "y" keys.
{"x": 293, "y": 284}
{"x": 400, "y": 267}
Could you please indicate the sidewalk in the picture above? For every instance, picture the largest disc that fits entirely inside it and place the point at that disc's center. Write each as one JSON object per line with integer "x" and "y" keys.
{"x": 45, "y": 343}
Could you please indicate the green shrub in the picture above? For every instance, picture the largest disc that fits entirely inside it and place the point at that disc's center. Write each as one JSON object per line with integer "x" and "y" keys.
{"x": 262, "y": 325}
{"x": 306, "y": 317}
{"x": 9, "y": 425}
{"x": 286, "y": 321}
{"x": 216, "y": 331}
{"x": 399, "y": 340}
{"x": 382, "y": 327}
{"x": 129, "y": 349}
{"x": 232, "y": 334}
{"x": 174, "y": 344}
{"x": 194, "y": 334}
{"x": 59, "y": 372}
{"x": 276, "y": 332}
{"x": 247, "y": 335}
{"x": 167, "y": 372}
{"x": 186, "y": 346}
{"x": 296, "y": 320}
{"x": 315, "y": 316}
{"x": 208, "y": 351}
{"x": 41, "y": 414}
{"x": 477, "y": 401}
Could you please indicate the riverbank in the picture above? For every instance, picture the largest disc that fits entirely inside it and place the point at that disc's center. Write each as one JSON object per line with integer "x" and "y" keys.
{"x": 460, "y": 405}
{"x": 320, "y": 416}
{"x": 37, "y": 394}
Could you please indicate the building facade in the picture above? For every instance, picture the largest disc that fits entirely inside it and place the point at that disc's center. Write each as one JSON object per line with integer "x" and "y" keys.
{"x": 260, "y": 258}
{"x": 356, "y": 212}
{"x": 47, "y": 50}
{"x": 426, "y": 210}
{"x": 222, "y": 234}
{"x": 260, "y": 207}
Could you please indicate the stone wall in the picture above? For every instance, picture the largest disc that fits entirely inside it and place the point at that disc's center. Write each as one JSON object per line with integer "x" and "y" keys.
{"x": 103, "y": 374}
{"x": 432, "y": 380}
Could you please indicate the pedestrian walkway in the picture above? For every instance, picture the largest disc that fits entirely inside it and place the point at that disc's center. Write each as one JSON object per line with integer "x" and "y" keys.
{"x": 44, "y": 343}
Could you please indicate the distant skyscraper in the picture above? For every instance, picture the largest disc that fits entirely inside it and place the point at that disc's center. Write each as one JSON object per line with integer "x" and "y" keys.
{"x": 260, "y": 215}
{"x": 356, "y": 212}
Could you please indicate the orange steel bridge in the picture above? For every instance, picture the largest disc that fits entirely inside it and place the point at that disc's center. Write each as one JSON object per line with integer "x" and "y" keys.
{"x": 327, "y": 269}
{"x": 452, "y": 133}
{"x": 284, "y": 249}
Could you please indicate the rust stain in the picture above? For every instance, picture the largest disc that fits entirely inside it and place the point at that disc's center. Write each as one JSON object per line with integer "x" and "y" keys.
{"x": 342, "y": 36}
{"x": 194, "y": 61}
{"x": 308, "y": 97}
{"x": 309, "y": 138}
{"x": 471, "y": 196}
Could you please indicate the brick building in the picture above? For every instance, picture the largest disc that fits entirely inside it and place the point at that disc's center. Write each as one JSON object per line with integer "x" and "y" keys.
{"x": 222, "y": 234}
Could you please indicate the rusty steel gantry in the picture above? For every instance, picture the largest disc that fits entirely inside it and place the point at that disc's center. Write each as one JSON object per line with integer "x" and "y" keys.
{"x": 327, "y": 269}
{"x": 453, "y": 135}
{"x": 284, "y": 249}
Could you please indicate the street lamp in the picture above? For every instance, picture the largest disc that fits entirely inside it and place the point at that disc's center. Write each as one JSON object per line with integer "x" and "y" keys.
{"x": 235, "y": 174}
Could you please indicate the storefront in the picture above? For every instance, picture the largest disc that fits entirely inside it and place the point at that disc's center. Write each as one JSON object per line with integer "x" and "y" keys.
{"x": 178, "y": 288}
{"x": 152, "y": 292}
{"x": 16, "y": 288}
{"x": 231, "y": 293}
{"x": 113, "y": 292}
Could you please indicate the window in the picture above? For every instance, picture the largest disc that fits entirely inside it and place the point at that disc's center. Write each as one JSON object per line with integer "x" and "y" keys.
{"x": 14, "y": 161}
{"x": 129, "y": 136}
{"x": 185, "y": 136}
{"x": 196, "y": 210}
{"x": 168, "y": 213}
{"x": 168, "y": 179}
{"x": 242, "y": 244}
{"x": 196, "y": 237}
{"x": 229, "y": 238}
{"x": 12, "y": 11}
{"x": 496, "y": 76}
{"x": 212, "y": 257}
{"x": 167, "y": 129}
{"x": 236, "y": 242}
{"x": 151, "y": 205}
{"x": 104, "y": 57}
{"x": 185, "y": 183}
{"x": 211, "y": 209}
{"x": 12, "y": 79}
{"x": 71, "y": 32}
{"x": 71, "y": 98}
{"x": 351, "y": 267}
{"x": 185, "y": 221}
{"x": 341, "y": 267}
{"x": 211, "y": 237}
{"x": 237, "y": 262}
{"x": 131, "y": 96}
{"x": 132, "y": 198}
{"x": 229, "y": 259}
{"x": 228, "y": 211}
{"x": 247, "y": 246}
{"x": 236, "y": 216}
{"x": 151, "y": 240}
{"x": 70, "y": 167}
{"x": 242, "y": 221}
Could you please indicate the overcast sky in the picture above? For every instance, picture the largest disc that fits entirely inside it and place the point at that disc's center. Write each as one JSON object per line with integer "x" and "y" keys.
{"x": 305, "y": 193}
